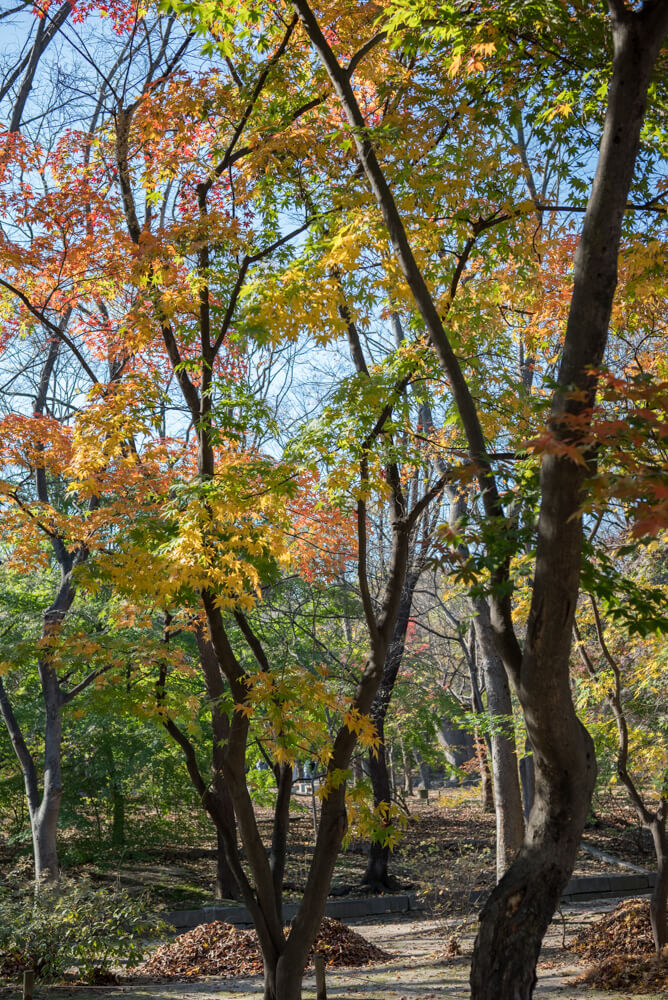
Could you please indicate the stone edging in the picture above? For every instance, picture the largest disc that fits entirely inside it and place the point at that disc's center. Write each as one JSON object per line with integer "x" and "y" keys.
{"x": 605, "y": 886}
{"x": 342, "y": 909}
{"x": 580, "y": 888}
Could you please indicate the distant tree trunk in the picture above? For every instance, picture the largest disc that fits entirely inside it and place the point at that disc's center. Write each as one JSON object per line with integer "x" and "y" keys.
{"x": 505, "y": 776}
{"x": 377, "y": 875}
{"x": 659, "y": 900}
{"x": 481, "y": 744}
{"x": 406, "y": 765}
{"x": 425, "y": 773}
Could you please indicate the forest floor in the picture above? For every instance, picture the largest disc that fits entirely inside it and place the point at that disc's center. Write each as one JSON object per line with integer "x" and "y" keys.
{"x": 420, "y": 970}
{"x": 446, "y": 856}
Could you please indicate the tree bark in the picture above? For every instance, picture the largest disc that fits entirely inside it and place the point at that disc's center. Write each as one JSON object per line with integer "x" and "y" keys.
{"x": 505, "y": 775}
{"x": 376, "y": 875}
{"x": 659, "y": 900}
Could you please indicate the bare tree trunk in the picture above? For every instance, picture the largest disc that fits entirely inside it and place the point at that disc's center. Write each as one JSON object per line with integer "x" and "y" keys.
{"x": 377, "y": 875}
{"x": 505, "y": 775}
{"x": 659, "y": 900}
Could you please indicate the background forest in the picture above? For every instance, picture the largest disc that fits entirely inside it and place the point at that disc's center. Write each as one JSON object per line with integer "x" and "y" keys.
{"x": 334, "y": 432}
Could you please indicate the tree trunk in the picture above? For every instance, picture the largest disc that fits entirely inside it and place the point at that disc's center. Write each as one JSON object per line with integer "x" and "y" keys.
{"x": 44, "y": 819}
{"x": 406, "y": 765}
{"x": 486, "y": 791}
{"x": 376, "y": 876}
{"x": 44, "y": 824}
{"x": 226, "y": 885}
{"x": 659, "y": 900}
{"x": 528, "y": 780}
{"x": 505, "y": 776}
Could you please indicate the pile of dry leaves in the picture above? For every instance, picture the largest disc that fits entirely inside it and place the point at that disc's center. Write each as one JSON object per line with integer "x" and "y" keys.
{"x": 220, "y": 949}
{"x": 621, "y": 948}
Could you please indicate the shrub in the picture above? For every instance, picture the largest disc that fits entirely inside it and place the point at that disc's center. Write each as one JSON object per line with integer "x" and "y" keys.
{"x": 71, "y": 924}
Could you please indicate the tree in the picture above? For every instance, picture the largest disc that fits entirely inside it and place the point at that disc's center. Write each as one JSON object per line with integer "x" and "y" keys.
{"x": 518, "y": 911}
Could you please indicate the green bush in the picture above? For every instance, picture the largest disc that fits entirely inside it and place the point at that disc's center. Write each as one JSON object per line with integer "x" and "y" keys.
{"x": 71, "y": 924}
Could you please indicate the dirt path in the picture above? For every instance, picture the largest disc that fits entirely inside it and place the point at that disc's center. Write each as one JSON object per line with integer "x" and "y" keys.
{"x": 419, "y": 972}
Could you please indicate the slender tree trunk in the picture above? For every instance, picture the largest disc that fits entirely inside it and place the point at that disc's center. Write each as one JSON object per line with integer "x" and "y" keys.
{"x": 377, "y": 875}
{"x": 44, "y": 819}
{"x": 505, "y": 775}
{"x": 659, "y": 900}
{"x": 486, "y": 790}
{"x": 480, "y": 743}
{"x": 406, "y": 765}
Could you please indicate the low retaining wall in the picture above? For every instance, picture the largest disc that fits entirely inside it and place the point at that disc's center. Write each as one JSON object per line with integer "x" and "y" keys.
{"x": 579, "y": 889}
{"x": 342, "y": 909}
{"x": 608, "y": 886}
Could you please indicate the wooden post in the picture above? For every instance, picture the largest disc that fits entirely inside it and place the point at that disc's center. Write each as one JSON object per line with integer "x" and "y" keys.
{"x": 320, "y": 988}
{"x": 28, "y": 983}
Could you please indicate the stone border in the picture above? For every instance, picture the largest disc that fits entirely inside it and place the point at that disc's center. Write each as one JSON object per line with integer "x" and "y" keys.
{"x": 342, "y": 909}
{"x": 585, "y": 887}
{"x": 579, "y": 889}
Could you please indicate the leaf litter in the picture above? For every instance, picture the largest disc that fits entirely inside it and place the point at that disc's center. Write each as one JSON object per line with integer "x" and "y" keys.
{"x": 220, "y": 949}
{"x": 621, "y": 949}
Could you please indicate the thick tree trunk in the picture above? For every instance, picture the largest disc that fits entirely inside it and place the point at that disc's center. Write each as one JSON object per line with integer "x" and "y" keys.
{"x": 505, "y": 775}
{"x": 226, "y": 886}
